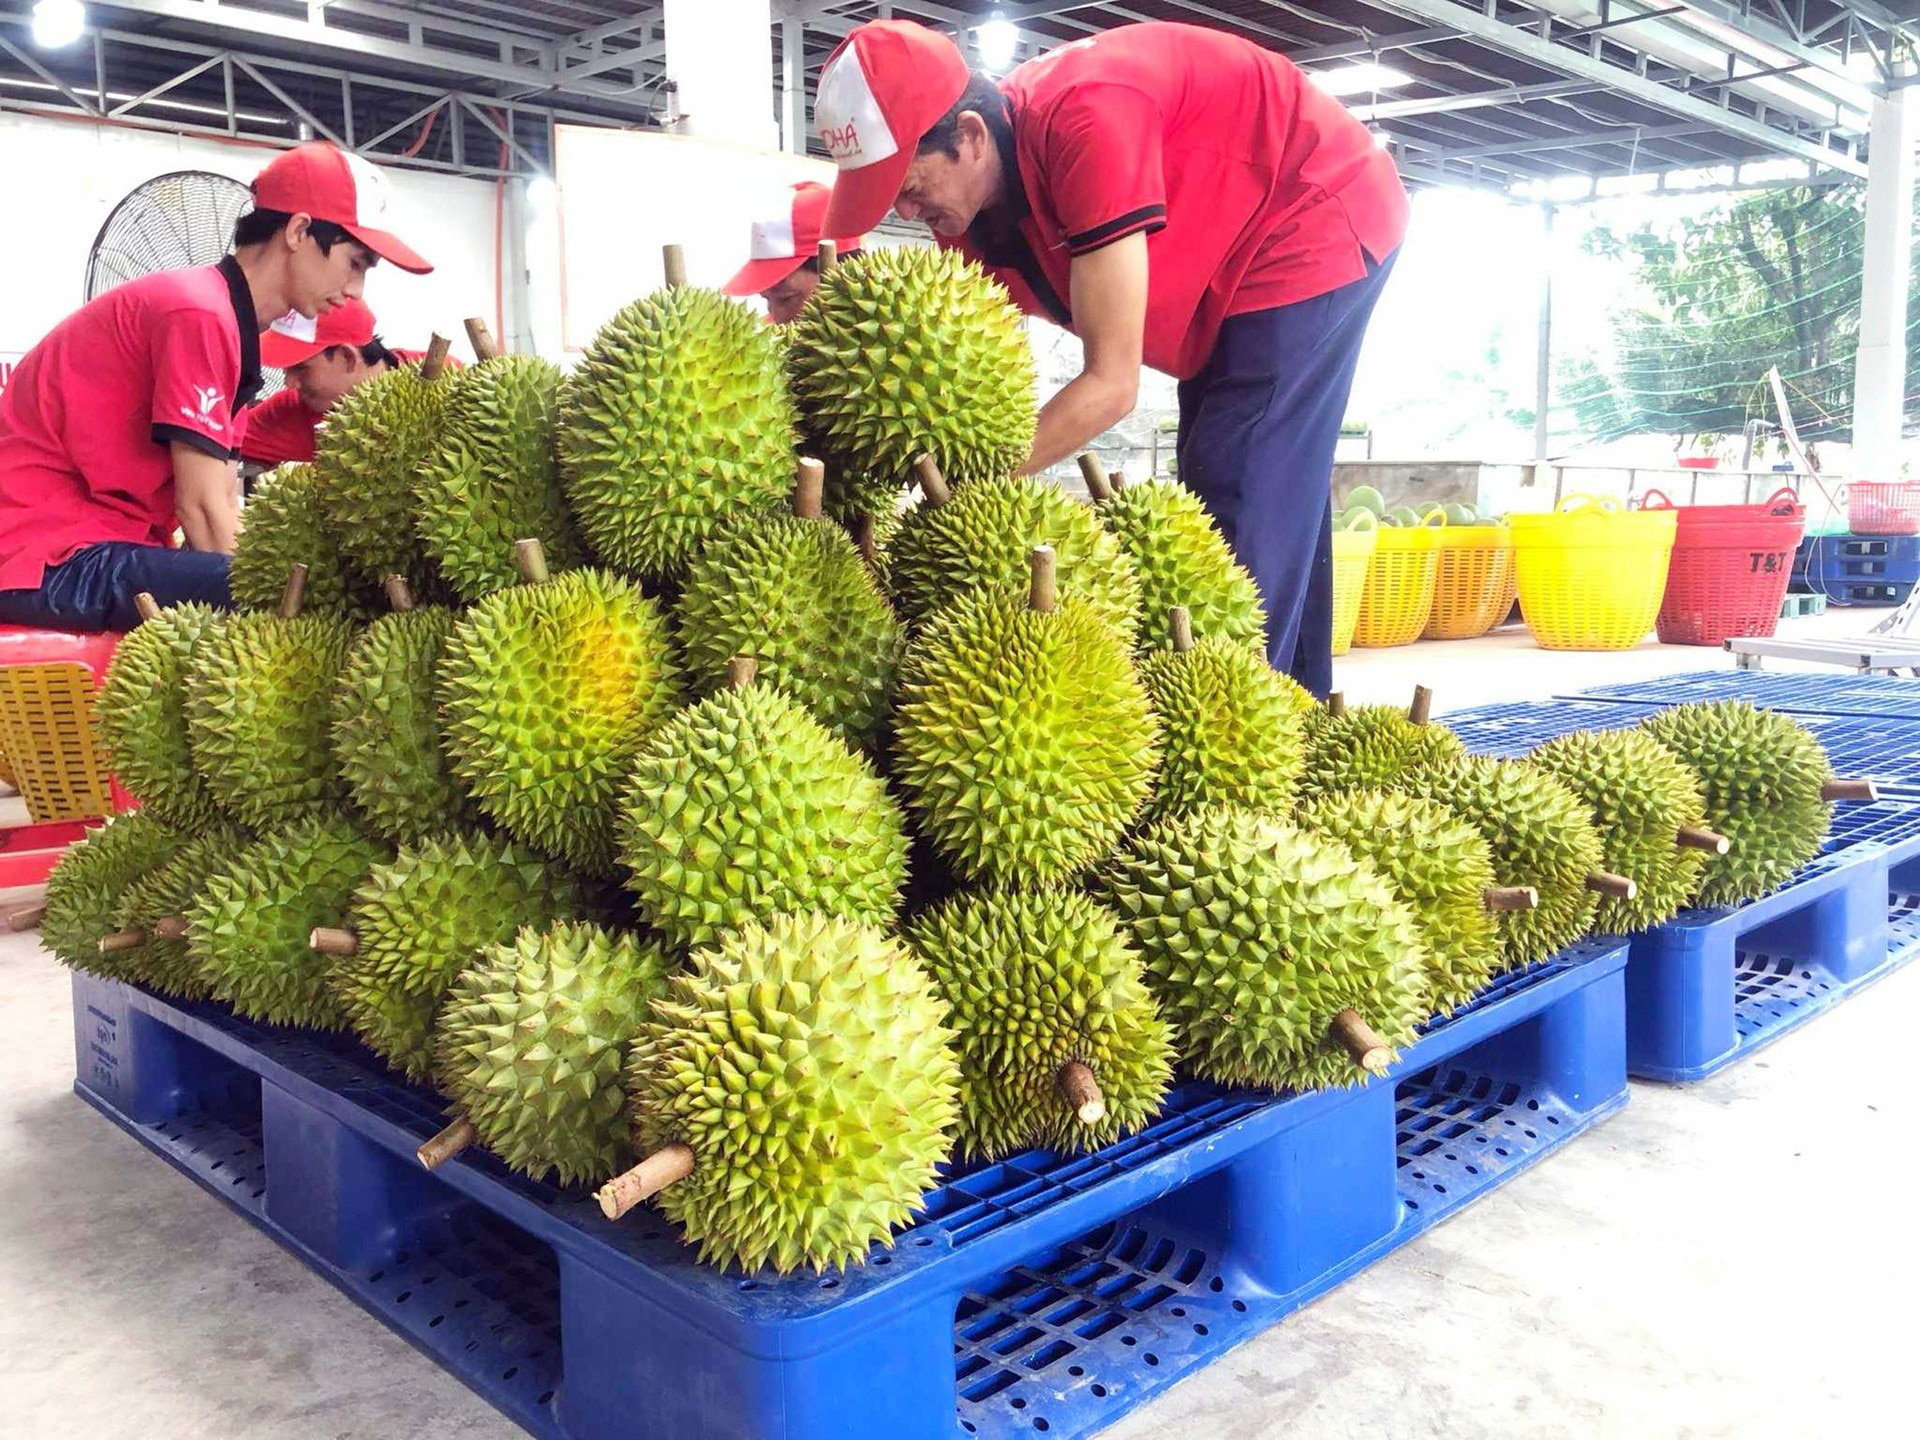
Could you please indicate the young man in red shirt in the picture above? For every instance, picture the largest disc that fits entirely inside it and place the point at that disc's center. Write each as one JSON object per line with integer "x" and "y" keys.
{"x": 324, "y": 360}
{"x": 783, "y": 267}
{"x": 1177, "y": 197}
{"x": 121, "y": 424}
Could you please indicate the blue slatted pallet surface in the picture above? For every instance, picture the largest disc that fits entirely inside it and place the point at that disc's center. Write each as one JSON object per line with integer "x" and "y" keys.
{"x": 1880, "y": 697}
{"x": 1038, "y": 1294}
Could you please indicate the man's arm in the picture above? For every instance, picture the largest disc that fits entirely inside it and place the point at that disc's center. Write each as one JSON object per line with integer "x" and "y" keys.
{"x": 1108, "y": 297}
{"x": 205, "y": 498}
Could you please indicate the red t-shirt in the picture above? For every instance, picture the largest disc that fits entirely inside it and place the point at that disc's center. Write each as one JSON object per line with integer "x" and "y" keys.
{"x": 86, "y": 420}
{"x": 1255, "y": 188}
{"x": 281, "y": 430}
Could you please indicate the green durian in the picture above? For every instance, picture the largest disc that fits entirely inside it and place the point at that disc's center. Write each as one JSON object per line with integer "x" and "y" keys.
{"x": 164, "y": 894}
{"x": 142, "y": 713}
{"x": 285, "y": 523}
{"x": 368, "y": 457}
{"x": 84, "y": 890}
{"x": 1372, "y": 747}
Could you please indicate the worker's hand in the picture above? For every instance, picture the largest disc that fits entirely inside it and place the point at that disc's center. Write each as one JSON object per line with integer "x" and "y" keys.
{"x": 1108, "y": 296}
{"x": 206, "y": 497}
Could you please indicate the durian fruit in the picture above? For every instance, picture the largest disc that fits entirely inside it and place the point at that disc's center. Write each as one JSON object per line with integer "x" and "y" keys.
{"x": 1650, "y": 815}
{"x": 1181, "y": 558}
{"x": 419, "y": 919}
{"x": 154, "y": 908}
{"x": 532, "y": 1047}
{"x": 548, "y": 691}
{"x": 250, "y": 926}
{"x": 981, "y": 535}
{"x": 368, "y": 457}
{"x": 1279, "y": 959}
{"x": 1440, "y": 868}
{"x": 1023, "y": 737}
{"x": 88, "y": 881}
{"x": 1233, "y": 727}
{"x": 1766, "y": 782}
{"x": 386, "y": 723}
{"x": 675, "y": 426}
{"x": 285, "y": 521}
{"x": 1542, "y": 838}
{"x": 142, "y": 712}
{"x": 744, "y": 805}
{"x": 794, "y": 1095}
{"x": 490, "y": 479}
{"x": 1059, "y": 1043}
{"x": 793, "y": 592}
{"x": 912, "y": 351}
{"x": 1373, "y": 746}
{"x": 259, "y": 689}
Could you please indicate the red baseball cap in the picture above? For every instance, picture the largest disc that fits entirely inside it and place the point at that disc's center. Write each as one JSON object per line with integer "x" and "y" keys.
{"x": 320, "y": 180}
{"x": 780, "y": 247}
{"x": 294, "y": 338}
{"x": 886, "y": 86}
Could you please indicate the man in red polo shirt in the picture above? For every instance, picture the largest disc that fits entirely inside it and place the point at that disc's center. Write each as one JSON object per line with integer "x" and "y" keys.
{"x": 783, "y": 267}
{"x": 120, "y": 426}
{"x": 1177, "y": 197}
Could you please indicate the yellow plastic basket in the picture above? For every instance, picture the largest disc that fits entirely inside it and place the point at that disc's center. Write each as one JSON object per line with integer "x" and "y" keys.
{"x": 1352, "y": 558}
{"x": 1399, "y": 593}
{"x": 1472, "y": 582}
{"x": 47, "y": 734}
{"x": 1591, "y": 575}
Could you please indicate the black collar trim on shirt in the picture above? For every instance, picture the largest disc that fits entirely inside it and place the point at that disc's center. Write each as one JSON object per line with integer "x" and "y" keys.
{"x": 249, "y": 322}
{"x": 996, "y": 233}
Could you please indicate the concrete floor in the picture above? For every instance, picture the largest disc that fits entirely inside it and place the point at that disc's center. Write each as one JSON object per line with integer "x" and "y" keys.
{"x": 1733, "y": 1258}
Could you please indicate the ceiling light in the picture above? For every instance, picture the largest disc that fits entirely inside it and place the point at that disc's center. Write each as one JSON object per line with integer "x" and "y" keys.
{"x": 58, "y": 23}
{"x": 1362, "y": 79}
{"x": 996, "y": 40}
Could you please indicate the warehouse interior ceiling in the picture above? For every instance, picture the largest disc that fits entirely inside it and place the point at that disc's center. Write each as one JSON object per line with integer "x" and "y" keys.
{"x": 1555, "y": 99}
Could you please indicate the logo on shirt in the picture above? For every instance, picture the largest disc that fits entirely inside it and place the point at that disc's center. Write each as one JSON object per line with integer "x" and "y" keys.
{"x": 208, "y": 398}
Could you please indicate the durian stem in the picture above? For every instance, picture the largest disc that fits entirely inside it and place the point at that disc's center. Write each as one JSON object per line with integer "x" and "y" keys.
{"x": 1081, "y": 1090}
{"x": 1614, "y": 887}
{"x": 1337, "y": 704}
{"x": 865, "y": 541}
{"x": 485, "y": 347}
{"x": 826, "y": 255}
{"x": 809, "y": 488}
{"x": 27, "y": 917}
{"x": 329, "y": 941}
{"x": 1421, "y": 711}
{"x": 740, "y": 671}
{"x": 531, "y": 556}
{"x": 447, "y": 1144}
{"x": 171, "y": 927}
{"x": 1368, "y": 1050}
{"x": 436, "y": 357}
{"x": 148, "y": 607}
{"x": 1040, "y": 589}
{"x": 1180, "y": 621}
{"x": 295, "y": 592}
{"x": 1510, "y": 897}
{"x": 121, "y": 940}
{"x": 666, "y": 1166}
{"x": 1095, "y": 474}
{"x": 1118, "y": 479}
{"x": 933, "y": 484}
{"x": 1862, "y": 790}
{"x": 1698, "y": 837}
{"x": 399, "y": 594}
{"x": 674, "y": 259}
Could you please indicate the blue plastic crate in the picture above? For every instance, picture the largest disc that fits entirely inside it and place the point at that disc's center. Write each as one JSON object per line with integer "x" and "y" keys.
{"x": 1037, "y": 1294}
{"x": 1879, "y": 697}
{"x": 1830, "y": 554}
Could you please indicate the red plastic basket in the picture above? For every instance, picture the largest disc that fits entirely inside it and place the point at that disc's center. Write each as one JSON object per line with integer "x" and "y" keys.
{"x": 1730, "y": 568}
{"x": 1883, "y": 507}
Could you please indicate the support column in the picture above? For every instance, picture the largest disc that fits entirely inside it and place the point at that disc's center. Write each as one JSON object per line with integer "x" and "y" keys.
{"x": 793, "y": 85}
{"x": 719, "y": 56}
{"x": 1543, "y": 346}
{"x": 1880, "y": 366}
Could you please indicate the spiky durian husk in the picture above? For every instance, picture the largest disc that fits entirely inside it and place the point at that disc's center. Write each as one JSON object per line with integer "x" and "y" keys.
{"x": 259, "y": 693}
{"x": 1760, "y": 775}
{"x": 1542, "y": 836}
{"x": 911, "y": 351}
{"x": 1033, "y": 982}
{"x": 744, "y": 805}
{"x": 386, "y": 728}
{"x": 142, "y": 711}
{"x": 168, "y": 890}
{"x": 1640, "y": 794}
{"x": 368, "y": 457}
{"x": 250, "y": 927}
{"x": 796, "y": 596}
{"x": 1257, "y": 934}
{"x": 1182, "y": 559}
{"x": 422, "y": 917}
{"x": 805, "y": 1063}
{"x": 1373, "y": 747}
{"x": 675, "y": 425}
{"x": 88, "y": 881}
{"x": 1439, "y": 866}
{"x": 983, "y": 537}
{"x": 1233, "y": 728}
{"x": 548, "y": 692}
{"x": 532, "y": 1043}
{"x": 490, "y": 479}
{"x": 285, "y": 523}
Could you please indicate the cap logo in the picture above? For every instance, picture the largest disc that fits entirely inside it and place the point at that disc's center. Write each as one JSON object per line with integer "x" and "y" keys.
{"x": 296, "y": 326}
{"x": 847, "y": 115}
{"x": 370, "y": 191}
{"x": 772, "y": 239}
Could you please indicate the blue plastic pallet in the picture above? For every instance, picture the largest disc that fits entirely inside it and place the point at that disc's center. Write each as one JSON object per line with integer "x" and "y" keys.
{"x": 1038, "y": 1294}
{"x": 1876, "y": 696}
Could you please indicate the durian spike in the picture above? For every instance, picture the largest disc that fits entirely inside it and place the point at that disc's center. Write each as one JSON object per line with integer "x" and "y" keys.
{"x": 329, "y": 941}
{"x": 1180, "y": 621}
{"x": 1368, "y": 1050}
{"x": 171, "y": 927}
{"x": 1081, "y": 1090}
{"x": 826, "y": 255}
{"x": 531, "y": 556}
{"x": 1510, "y": 897}
{"x": 1862, "y": 790}
{"x": 1421, "y": 711}
{"x": 865, "y": 541}
{"x": 1040, "y": 589}
{"x": 295, "y": 592}
{"x": 485, "y": 347}
{"x": 447, "y": 1144}
{"x": 674, "y": 258}
{"x": 666, "y": 1166}
{"x": 1614, "y": 887}
{"x": 1095, "y": 474}
{"x": 1337, "y": 704}
{"x": 121, "y": 940}
{"x": 436, "y": 356}
{"x": 1698, "y": 837}
{"x": 146, "y": 605}
{"x": 399, "y": 595}
{"x": 932, "y": 483}
{"x": 27, "y": 917}
{"x": 740, "y": 671}
{"x": 808, "y": 488}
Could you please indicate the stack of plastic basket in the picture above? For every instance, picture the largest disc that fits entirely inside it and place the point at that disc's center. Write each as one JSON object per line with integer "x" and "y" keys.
{"x": 1352, "y": 559}
{"x": 1473, "y": 584}
{"x": 1883, "y": 507}
{"x": 1592, "y": 574}
{"x": 1398, "y": 599}
{"x": 1731, "y": 565}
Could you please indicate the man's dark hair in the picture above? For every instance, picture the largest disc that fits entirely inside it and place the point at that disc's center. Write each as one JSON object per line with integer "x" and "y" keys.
{"x": 374, "y": 352}
{"x": 982, "y": 96}
{"x": 257, "y": 226}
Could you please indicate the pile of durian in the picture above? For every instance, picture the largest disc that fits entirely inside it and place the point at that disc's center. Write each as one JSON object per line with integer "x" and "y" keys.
{"x": 760, "y": 834}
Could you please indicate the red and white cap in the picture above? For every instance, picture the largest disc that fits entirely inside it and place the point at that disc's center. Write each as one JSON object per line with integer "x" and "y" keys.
{"x": 886, "y": 86}
{"x": 781, "y": 246}
{"x": 320, "y": 180}
{"x": 293, "y": 338}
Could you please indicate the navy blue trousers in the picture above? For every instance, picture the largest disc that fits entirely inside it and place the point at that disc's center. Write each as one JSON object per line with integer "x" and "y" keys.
{"x": 1258, "y": 427}
{"x": 94, "y": 588}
